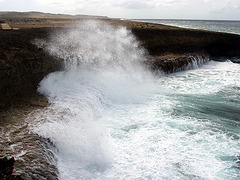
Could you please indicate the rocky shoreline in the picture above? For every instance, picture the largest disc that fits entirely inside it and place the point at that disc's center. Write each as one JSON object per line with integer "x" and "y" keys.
{"x": 23, "y": 66}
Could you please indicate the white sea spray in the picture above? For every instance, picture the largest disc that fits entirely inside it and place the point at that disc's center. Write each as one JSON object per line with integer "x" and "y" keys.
{"x": 109, "y": 118}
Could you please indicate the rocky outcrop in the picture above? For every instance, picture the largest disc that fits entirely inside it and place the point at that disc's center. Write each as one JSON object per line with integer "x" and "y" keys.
{"x": 22, "y": 65}
{"x": 174, "y": 63}
{"x": 6, "y": 169}
{"x": 159, "y": 42}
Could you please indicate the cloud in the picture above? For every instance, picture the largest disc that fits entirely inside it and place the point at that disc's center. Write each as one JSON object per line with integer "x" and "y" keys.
{"x": 54, "y": 1}
{"x": 146, "y": 8}
{"x": 114, "y": 8}
{"x": 73, "y": 4}
{"x": 223, "y": 5}
{"x": 127, "y": 4}
{"x": 145, "y": 4}
{"x": 130, "y": 4}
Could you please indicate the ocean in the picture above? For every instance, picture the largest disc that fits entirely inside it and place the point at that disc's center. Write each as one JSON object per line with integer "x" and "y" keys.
{"x": 111, "y": 118}
{"x": 210, "y": 25}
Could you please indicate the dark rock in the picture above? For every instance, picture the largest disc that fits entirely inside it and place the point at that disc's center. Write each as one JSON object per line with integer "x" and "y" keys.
{"x": 22, "y": 65}
{"x": 180, "y": 41}
{"x": 6, "y": 165}
{"x": 6, "y": 169}
{"x": 173, "y": 63}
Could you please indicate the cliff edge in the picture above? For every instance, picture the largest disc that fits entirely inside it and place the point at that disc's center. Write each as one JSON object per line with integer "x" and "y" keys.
{"x": 23, "y": 65}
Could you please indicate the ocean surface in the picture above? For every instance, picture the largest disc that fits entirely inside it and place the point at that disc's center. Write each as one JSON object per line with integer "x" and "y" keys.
{"x": 112, "y": 118}
{"x": 210, "y": 25}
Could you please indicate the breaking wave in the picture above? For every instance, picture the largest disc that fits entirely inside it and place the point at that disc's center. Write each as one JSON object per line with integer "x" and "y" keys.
{"x": 110, "y": 118}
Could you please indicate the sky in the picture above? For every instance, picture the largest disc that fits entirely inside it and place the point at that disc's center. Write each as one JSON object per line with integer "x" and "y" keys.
{"x": 133, "y": 9}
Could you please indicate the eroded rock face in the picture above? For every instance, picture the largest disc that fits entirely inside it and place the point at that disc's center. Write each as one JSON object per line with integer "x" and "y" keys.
{"x": 181, "y": 41}
{"x": 6, "y": 169}
{"x": 22, "y": 65}
{"x": 174, "y": 63}
{"x": 33, "y": 155}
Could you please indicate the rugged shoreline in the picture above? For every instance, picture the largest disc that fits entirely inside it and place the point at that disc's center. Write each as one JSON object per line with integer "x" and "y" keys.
{"x": 23, "y": 66}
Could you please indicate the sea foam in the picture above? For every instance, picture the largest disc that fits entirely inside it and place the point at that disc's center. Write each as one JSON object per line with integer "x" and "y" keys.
{"x": 102, "y": 67}
{"x": 109, "y": 118}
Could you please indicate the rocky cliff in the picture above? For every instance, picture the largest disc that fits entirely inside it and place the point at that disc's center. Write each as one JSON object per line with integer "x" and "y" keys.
{"x": 181, "y": 41}
{"x": 23, "y": 65}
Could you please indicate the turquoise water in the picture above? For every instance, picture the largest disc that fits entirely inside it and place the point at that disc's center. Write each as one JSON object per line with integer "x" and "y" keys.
{"x": 210, "y": 25}
{"x": 111, "y": 118}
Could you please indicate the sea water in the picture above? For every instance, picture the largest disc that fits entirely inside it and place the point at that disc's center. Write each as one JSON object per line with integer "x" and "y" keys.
{"x": 210, "y": 25}
{"x": 111, "y": 118}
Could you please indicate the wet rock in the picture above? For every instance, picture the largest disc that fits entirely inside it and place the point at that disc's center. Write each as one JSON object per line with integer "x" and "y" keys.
{"x": 6, "y": 166}
{"x": 23, "y": 65}
{"x": 173, "y": 62}
{"x": 6, "y": 169}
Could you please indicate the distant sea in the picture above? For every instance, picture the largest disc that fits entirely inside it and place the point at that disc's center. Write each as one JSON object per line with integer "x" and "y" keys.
{"x": 210, "y": 25}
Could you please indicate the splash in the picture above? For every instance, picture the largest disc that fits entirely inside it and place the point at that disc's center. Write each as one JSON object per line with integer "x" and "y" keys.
{"x": 96, "y": 46}
{"x": 102, "y": 67}
{"x": 110, "y": 119}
